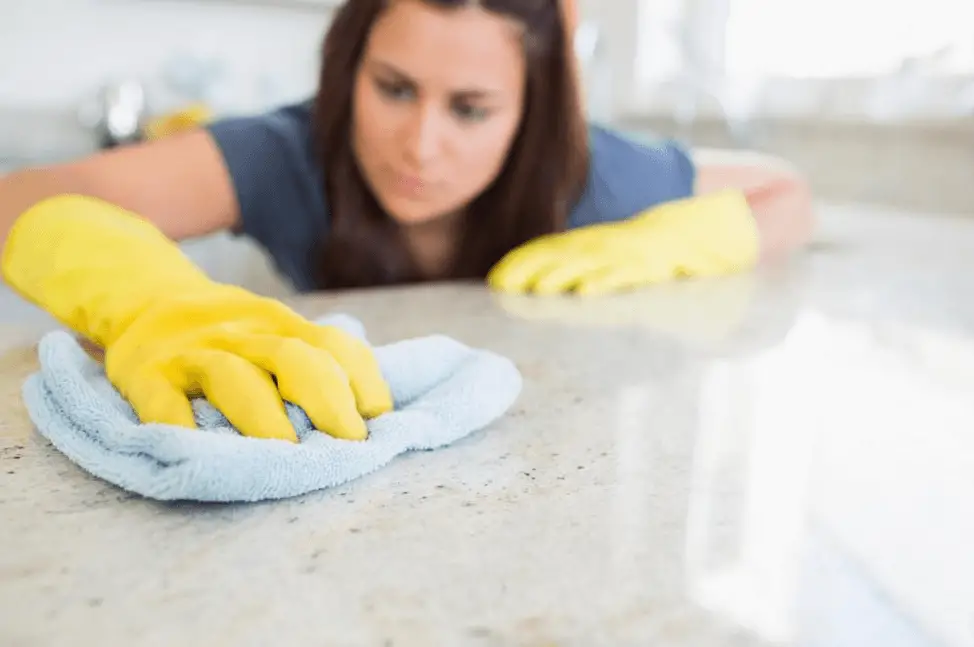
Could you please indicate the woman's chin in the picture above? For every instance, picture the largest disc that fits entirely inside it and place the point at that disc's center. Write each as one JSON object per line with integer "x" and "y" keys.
{"x": 412, "y": 212}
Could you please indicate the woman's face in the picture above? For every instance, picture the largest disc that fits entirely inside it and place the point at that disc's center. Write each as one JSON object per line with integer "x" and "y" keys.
{"x": 437, "y": 103}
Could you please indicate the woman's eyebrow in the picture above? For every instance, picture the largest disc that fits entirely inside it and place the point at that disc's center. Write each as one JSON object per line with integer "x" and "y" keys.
{"x": 466, "y": 93}
{"x": 388, "y": 67}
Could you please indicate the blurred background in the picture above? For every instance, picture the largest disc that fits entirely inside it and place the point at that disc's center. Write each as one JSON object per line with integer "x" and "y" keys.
{"x": 873, "y": 100}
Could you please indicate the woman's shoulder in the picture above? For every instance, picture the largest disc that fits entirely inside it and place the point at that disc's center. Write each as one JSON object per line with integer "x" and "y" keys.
{"x": 288, "y": 119}
{"x": 278, "y": 183}
{"x": 283, "y": 131}
{"x": 629, "y": 173}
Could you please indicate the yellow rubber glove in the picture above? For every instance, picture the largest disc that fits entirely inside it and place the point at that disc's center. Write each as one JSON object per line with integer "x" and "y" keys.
{"x": 702, "y": 236}
{"x": 169, "y": 332}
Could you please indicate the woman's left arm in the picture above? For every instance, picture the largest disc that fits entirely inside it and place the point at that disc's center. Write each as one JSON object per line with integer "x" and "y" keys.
{"x": 779, "y": 196}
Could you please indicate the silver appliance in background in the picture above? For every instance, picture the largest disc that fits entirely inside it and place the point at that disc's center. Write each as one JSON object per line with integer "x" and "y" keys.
{"x": 116, "y": 114}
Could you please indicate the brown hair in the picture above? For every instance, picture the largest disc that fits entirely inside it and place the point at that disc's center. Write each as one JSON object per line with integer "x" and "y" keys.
{"x": 531, "y": 196}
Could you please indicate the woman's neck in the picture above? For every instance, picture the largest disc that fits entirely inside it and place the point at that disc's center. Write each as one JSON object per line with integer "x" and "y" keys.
{"x": 434, "y": 244}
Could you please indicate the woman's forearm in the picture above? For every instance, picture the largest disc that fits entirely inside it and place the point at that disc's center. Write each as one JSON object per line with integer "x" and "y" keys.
{"x": 780, "y": 197}
{"x": 22, "y": 189}
{"x": 782, "y": 209}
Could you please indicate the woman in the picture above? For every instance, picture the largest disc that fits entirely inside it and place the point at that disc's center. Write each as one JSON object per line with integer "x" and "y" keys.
{"x": 444, "y": 135}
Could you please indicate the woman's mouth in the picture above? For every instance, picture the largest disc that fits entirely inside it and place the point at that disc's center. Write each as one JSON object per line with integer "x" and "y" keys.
{"x": 410, "y": 185}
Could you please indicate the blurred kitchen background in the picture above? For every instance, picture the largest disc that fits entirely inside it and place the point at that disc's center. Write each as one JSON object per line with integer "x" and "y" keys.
{"x": 873, "y": 100}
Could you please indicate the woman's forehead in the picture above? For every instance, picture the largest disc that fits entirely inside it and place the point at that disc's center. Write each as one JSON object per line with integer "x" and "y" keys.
{"x": 447, "y": 49}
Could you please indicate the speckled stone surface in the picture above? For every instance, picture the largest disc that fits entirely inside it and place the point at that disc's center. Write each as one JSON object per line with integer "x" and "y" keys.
{"x": 780, "y": 458}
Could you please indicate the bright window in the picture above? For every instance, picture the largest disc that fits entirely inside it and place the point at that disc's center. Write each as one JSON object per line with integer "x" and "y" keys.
{"x": 847, "y": 38}
{"x": 881, "y": 59}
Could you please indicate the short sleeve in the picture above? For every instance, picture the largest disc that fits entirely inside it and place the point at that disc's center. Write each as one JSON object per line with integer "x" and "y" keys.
{"x": 278, "y": 184}
{"x": 627, "y": 177}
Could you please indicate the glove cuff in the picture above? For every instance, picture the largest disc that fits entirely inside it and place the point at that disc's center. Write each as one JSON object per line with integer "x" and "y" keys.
{"x": 92, "y": 265}
{"x": 720, "y": 223}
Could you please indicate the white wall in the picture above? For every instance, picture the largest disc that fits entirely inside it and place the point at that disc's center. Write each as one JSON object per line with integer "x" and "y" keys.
{"x": 53, "y": 53}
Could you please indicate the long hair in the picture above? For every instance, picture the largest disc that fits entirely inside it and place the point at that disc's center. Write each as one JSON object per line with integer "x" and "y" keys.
{"x": 543, "y": 175}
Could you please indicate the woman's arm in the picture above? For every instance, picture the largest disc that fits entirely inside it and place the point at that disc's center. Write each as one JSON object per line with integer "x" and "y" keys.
{"x": 179, "y": 183}
{"x": 779, "y": 196}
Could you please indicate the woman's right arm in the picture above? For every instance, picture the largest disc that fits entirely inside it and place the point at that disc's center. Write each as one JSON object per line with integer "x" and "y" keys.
{"x": 98, "y": 264}
{"x": 180, "y": 184}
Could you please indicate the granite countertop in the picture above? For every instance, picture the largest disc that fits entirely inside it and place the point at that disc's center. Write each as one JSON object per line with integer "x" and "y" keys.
{"x": 777, "y": 458}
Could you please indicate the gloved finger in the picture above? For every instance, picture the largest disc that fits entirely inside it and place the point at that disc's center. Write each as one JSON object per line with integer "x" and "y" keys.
{"x": 312, "y": 379}
{"x": 624, "y": 278}
{"x": 155, "y": 399}
{"x": 519, "y": 268}
{"x": 241, "y": 391}
{"x": 564, "y": 276}
{"x": 370, "y": 389}
{"x": 617, "y": 280}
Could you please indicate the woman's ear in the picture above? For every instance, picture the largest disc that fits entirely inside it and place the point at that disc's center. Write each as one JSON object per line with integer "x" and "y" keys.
{"x": 569, "y": 11}
{"x": 570, "y": 19}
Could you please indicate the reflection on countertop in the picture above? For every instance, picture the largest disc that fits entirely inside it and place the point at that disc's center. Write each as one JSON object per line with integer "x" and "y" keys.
{"x": 780, "y": 458}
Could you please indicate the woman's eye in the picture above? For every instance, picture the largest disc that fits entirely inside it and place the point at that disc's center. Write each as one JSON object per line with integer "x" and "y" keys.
{"x": 395, "y": 91}
{"x": 467, "y": 112}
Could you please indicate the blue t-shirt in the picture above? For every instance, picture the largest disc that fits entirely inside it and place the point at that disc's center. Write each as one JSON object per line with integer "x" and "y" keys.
{"x": 280, "y": 185}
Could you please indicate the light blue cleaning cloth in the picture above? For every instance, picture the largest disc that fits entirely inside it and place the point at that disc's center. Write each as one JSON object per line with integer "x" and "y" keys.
{"x": 443, "y": 391}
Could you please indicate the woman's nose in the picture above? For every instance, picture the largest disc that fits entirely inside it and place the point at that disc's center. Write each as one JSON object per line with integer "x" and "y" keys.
{"x": 423, "y": 135}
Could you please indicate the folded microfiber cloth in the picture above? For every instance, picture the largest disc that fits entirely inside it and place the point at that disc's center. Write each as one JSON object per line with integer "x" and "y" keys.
{"x": 443, "y": 391}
